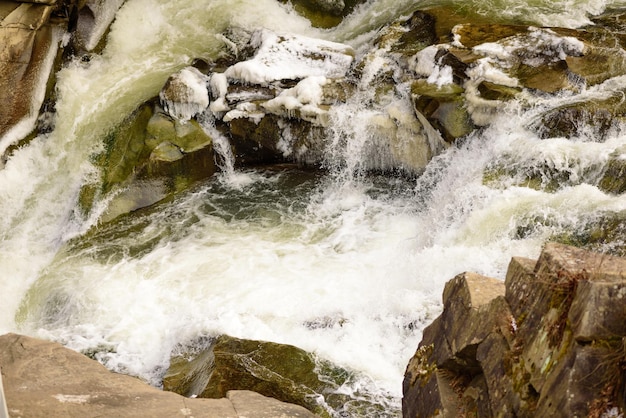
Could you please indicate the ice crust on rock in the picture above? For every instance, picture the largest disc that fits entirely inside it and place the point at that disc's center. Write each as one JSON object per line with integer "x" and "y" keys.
{"x": 185, "y": 94}
{"x": 291, "y": 57}
{"x": 424, "y": 64}
{"x": 304, "y": 97}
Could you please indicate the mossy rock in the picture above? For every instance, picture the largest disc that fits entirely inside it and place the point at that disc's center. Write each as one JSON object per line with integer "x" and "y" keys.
{"x": 276, "y": 370}
{"x": 614, "y": 178}
{"x": 444, "y": 107}
{"x": 492, "y": 91}
{"x": 148, "y": 157}
{"x": 605, "y": 233}
{"x": 125, "y": 148}
{"x": 324, "y": 13}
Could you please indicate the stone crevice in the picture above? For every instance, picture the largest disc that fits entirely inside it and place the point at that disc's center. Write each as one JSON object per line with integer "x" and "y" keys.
{"x": 543, "y": 343}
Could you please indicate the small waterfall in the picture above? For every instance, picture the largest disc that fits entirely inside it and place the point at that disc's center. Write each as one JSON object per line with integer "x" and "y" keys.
{"x": 348, "y": 264}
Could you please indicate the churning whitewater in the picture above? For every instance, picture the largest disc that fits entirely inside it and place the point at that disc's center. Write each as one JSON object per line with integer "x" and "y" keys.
{"x": 346, "y": 265}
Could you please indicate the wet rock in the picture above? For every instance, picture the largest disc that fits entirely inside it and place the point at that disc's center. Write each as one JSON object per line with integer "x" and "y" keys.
{"x": 579, "y": 118}
{"x": 93, "y": 21}
{"x": 125, "y": 148}
{"x": 469, "y": 35}
{"x": 324, "y": 13}
{"x": 552, "y": 346}
{"x": 614, "y": 177}
{"x": 148, "y": 157}
{"x": 333, "y": 7}
{"x": 280, "y": 371}
{"x": 255, "y": 143}
{"x": 408, "y": 37}
{"x": 44, "y": 379}
{"x": 444, "y": 107}
{"x": 30, "y": 43}
{"x": 185, "y": 94}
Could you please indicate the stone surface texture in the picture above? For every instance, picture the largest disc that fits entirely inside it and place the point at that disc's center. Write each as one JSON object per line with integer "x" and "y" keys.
{"x": 44, "y": 379}
{"x": 549, "y": 341}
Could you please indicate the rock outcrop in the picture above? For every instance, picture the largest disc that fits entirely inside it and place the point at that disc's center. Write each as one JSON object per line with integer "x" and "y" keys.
{"x": 44, "y": 379}
{"x": 549, "y": 341}
{"x": 30, "y": 42}
{"x": 281, "y": 371}
{"x": 213, "y": 367}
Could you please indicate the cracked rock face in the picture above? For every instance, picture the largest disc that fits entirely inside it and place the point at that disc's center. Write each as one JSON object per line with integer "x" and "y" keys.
{"x": 549, "y": 341}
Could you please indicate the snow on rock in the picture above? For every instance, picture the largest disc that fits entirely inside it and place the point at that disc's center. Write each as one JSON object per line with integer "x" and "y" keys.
{"x": 291, "y": 57}
{"x": 185, "y": 94}
{"x": 535, "y": 47}
{"x": 425, "y": 63}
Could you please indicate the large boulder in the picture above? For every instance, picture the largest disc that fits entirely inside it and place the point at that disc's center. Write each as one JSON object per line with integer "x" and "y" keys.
{"x": 44, "y": 379}
{"x": 147, "y": 158}
{"x": 27, "y": 53}
{"x": 213, "y": 368}
{"x": 549, "y": 341}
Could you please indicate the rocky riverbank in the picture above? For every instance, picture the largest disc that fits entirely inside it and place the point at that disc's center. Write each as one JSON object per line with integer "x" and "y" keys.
{"x": 549, "y": 341}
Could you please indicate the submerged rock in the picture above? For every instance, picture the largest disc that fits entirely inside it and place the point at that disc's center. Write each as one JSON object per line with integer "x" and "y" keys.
{"x": 324, "y": 13}
{"x": 547, "y": 342}
{"x": 614, "y": 177}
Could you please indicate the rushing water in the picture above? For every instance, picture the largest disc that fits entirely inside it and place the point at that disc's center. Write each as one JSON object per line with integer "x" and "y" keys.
{"x": 350, "y": 267}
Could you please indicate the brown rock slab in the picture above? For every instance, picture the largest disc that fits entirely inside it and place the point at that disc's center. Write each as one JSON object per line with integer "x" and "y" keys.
{"x": 254, "y": 405}
{"x": 25, "y": 64}
{"x": 45, "y": 379}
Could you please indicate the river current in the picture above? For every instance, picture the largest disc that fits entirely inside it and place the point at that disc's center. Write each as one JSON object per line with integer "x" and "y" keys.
{"x": 348, "y": 266}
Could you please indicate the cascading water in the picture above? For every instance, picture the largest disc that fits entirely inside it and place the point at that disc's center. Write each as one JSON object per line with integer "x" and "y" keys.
{"x": 346, "y": 265}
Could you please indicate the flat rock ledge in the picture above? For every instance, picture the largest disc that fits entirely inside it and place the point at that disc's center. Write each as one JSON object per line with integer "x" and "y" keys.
{"x": 549, "y": 341}
{"x": 45, "y": 379}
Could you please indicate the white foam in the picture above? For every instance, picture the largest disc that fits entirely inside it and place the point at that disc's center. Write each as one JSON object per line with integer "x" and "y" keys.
{"x": 374, "y": 265}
